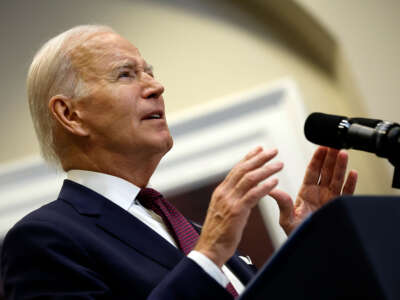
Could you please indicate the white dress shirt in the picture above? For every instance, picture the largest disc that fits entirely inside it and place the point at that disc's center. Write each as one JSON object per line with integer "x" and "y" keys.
{"x": 123, "y": 194}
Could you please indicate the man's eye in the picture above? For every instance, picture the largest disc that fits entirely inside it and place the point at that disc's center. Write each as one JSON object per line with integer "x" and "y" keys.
{"x": 124, "y": 74}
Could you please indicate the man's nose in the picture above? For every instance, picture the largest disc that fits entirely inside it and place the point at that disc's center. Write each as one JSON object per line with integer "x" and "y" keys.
{"x": 152, "y": 88}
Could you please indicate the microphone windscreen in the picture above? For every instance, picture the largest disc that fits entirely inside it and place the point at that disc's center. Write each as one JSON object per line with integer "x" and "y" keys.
{"x": 322, "y": 129}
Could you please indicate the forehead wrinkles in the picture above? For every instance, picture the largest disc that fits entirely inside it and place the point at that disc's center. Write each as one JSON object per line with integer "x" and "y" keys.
{"x": 86, "y": 58}
{"x": 94, "y": 58}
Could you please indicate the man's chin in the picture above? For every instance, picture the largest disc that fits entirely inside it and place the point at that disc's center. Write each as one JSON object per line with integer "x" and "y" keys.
{"x": 169, "y": 144}
{"x": 162, "y": 145}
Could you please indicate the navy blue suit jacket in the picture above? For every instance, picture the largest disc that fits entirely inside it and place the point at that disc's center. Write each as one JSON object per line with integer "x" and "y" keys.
{"x": 84, "y": 246}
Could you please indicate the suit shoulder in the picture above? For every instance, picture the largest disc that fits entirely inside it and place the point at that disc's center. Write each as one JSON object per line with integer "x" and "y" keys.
{"x": 52, "y": 212}
{"x": 56, "y": 218}
{"x": 49, "y": 215}
{"x": 41, "y": 231}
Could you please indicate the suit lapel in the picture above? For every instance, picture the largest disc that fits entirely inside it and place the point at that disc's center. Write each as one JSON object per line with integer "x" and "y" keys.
{"x": 120, "y": 224}
{"x": 115, "y": 221}
{"x": 129, "y": 230}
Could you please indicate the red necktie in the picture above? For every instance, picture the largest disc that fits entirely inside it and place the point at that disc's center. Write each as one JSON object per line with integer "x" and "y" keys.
{"x": 180, "y": 228}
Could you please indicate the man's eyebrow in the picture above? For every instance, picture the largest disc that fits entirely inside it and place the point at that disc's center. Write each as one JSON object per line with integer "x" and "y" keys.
{"x": 126, "y": 63}
{"x": 131, "y": 64}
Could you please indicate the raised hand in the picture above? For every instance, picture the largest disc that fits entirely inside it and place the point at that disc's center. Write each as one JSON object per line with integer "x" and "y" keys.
{"x": 324, "y": 180}
{"x": 232, "y": 201}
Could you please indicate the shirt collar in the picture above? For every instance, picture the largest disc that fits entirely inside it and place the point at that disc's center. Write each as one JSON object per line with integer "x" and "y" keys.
{"x": 118, "y": 190}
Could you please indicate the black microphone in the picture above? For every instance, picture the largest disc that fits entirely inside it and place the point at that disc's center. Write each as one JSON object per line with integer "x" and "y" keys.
{"x": 375, "y": 136}
{"x": 371, "y": 135}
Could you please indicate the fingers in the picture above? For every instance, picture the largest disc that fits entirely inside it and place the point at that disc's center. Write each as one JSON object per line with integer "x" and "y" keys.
{"x": 248, "y": 156}
{"x": 253, "y": 160}
{"x": 252, "y": 178}
{"x": 328, "y": 166}
{"x": 254, "y": 194}
{"x": 252, "y": 153}
{"x": 350, "y": 185}
{"x": 232, "y": 201}
{"x": 313, "y": 170}
{"x": 283, "y": 200}
{"x": 286, "y": 209}
{"x": 339, "y": 172}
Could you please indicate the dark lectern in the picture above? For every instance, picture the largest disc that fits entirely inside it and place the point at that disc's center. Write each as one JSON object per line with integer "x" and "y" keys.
{"x": 350, "y": 249}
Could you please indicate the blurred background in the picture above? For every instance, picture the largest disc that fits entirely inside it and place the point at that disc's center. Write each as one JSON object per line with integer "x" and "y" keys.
{"x": 343, "y": 56}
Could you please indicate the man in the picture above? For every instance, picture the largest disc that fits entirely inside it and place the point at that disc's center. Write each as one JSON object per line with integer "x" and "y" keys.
{"x": 99, "y": 113}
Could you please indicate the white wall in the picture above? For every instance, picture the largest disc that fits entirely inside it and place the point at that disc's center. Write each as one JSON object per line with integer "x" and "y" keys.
{"x": 368, "y": 32}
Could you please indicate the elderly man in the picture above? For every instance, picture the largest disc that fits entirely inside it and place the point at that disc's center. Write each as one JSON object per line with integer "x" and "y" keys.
{"x": 99, "y": 113}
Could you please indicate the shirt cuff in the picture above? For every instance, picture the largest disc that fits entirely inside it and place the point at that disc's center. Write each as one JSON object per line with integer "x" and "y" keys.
{"x": 209, "y": 267}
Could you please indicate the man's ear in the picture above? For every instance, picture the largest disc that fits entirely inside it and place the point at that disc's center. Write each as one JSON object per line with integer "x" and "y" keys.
{"x": 65, "y": 112}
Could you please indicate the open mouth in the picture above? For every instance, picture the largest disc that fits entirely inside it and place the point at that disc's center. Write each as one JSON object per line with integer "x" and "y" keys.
{"x": 153, "y": 116}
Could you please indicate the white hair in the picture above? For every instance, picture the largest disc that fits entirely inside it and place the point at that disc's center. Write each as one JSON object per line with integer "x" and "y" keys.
{"x": 52, "y": 73}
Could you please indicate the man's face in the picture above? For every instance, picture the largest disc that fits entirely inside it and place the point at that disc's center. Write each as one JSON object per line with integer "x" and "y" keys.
{"x": 124, "y": 109}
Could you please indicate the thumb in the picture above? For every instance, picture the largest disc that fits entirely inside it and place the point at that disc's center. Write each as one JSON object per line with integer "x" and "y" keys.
{"x": 286, "y": 209}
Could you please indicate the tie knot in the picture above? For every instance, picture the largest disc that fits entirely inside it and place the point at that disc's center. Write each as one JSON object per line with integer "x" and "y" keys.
{"x": 147, "y": 196}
